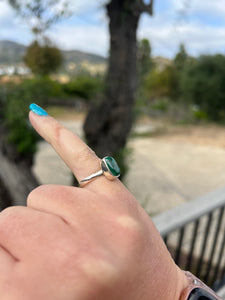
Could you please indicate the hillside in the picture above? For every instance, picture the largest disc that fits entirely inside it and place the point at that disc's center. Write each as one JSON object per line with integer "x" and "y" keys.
{"x": 78, "y": 57}
{"x": 13, "y": 53}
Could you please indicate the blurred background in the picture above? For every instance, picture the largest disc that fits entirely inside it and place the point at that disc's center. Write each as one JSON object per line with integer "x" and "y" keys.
{"x": 143, "y": 81}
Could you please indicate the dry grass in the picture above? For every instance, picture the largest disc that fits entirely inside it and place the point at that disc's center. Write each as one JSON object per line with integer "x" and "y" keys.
{"x": 207, "y": 135}
{"x": 66, "y": 113}
{"x": 212, "y": 135}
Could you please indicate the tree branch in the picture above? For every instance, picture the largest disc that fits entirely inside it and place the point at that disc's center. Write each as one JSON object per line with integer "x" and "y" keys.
{"x": 148, "y": 8}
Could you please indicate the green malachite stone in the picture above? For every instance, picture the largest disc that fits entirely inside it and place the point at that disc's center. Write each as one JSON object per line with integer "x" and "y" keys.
{"x": 112, "y": 165}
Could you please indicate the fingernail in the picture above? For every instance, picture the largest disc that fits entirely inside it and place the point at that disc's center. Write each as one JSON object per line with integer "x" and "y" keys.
{"x": 38, "y": 110}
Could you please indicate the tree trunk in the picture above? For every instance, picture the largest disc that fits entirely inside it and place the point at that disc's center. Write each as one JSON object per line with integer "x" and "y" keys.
{"x": 16, "y": 182}
{"x": 108, "y": 124}
{"x": 16, "y": 178}
{"x": 5, "y": 198}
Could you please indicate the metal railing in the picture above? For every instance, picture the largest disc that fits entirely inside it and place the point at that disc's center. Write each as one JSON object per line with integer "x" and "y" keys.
{"x": 195, "y": 236}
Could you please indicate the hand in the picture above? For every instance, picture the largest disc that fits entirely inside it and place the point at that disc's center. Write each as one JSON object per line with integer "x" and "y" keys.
{"x": 94, "y": 242}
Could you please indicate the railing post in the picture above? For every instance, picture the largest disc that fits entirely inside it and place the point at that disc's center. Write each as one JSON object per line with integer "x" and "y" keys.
{"x": 207, "y": 256}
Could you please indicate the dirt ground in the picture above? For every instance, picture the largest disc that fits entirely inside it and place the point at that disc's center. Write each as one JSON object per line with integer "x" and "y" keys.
{"x": 174, "y": 164}
{"x": 206, "y": 135}
{"x": 199, "y": 134}
{"x": 168, "y": 164}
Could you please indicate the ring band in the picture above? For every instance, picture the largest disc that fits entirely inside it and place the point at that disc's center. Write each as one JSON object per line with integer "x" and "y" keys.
{"x": 109, "y": 168}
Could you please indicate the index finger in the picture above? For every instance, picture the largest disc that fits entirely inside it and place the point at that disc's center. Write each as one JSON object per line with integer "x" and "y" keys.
{"x": 75, "y": 153}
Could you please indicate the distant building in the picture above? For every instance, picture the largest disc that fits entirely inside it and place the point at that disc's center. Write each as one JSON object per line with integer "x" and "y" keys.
{"x": 10, "y": 70}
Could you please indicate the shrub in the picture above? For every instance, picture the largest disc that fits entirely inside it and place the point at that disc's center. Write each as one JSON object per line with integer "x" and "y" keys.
{"x": 40, "y": 90}
{"x": 160, "y": 83}
{"x": 16, "y": 108}
{"x": 43, "y": 60}
{"x": 84, "y": 86}
{"x": 202, "y": 84}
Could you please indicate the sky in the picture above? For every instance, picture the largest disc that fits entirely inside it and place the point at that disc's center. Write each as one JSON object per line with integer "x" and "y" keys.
{"x": 198, "y": 24}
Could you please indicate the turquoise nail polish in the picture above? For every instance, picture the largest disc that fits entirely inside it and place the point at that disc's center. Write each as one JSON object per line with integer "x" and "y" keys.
{"x": 38, "y": 110}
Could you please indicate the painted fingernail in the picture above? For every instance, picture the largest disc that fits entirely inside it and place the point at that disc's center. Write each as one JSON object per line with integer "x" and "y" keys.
{"x": 38, "y": 110}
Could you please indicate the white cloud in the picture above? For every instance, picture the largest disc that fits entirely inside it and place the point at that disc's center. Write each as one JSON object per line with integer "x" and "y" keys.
{"x": 216, "y": 7}
{"x": 208, "y": 7}
{"x": 12, "y": 28}
{"x": 84, "y": 6}
{"x": 199, "y": 33}
{"x": 66, "y": 34}
{"x": 198, "y": 39}
{"x": 87, "y": 30}
{"x": 6, "y": 12}
{"x": 91, "y": 39}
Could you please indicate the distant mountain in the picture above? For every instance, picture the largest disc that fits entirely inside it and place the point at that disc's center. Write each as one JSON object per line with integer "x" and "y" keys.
{"x": 13, "y": 53}
{"x": 78, "y": 57}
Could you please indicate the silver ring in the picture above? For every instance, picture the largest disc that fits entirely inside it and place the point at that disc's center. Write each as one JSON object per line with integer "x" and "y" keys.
{"x": 109, "y": 168}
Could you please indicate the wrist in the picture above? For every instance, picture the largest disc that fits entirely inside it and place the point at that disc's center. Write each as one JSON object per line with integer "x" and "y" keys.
{"x": 182, "y": 283}
{"x": 197, "y": 290}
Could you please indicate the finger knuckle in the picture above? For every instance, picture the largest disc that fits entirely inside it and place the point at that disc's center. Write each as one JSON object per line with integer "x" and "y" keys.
{"x": 11, "y": 211}
{"x": 130, "y": 228}
{"x": 56, "y": 133}
{"x": 84, "y": 156}
{"x": 11, "y": 218}
{"x": 35, "y": 193}
{"x": 101, "y": 270}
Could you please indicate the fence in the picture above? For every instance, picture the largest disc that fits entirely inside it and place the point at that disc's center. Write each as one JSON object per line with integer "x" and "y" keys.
{"x": 195, "y": 236}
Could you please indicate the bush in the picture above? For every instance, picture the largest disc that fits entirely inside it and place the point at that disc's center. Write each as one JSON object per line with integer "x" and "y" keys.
{"x": 160, "y": 83}
{"x": 161, "y": 104}
{"x": 40, "y": 90}
{"x": 84, "y": 86}
{"x": 202, "y": 84}
{"x": 198, "y": 114}
{"x": 43, "y": 60}
{"x": 16, "y": 108}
